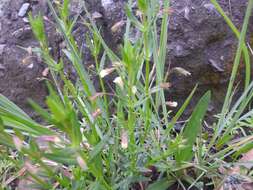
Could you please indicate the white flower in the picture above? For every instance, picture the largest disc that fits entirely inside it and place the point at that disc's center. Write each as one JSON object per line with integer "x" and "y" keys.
{"x": 82, "y": 163}
{"x": 172, "y": 104}
{"x": 96, "y": 15}
{"x": 134, "y": 89}
{"x": 119, "y": 81}
{"x": 17, "y": 142}
{"x": 117, "y": 26}
{"x": 103, "y": 73}
{"x": 96, "y": 113}
{"x": 181, "y": 71}
{"x": 124, "y": 139}
{"x": 116, "y": 64}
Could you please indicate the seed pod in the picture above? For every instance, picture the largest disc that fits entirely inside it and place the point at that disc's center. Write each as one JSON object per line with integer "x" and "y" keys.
{"x": 124, "y": 139}
{"x": 117, "y": 26}
{"x": 103, "y": 73}
{"x": 118, "y": 81}
{"x": 82, "y": 163}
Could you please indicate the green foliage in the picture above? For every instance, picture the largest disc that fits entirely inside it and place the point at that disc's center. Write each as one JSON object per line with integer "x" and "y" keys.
{"x": 94, "y": 139}
{"x": 193, "y": 129}
{"x": 38, "y": 28}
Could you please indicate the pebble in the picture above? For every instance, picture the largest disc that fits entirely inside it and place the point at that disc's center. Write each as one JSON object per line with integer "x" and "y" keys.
{"x": 2, "y": 67}
{"x": 107, "y": 3}
{"x": 216, "y": 65}
{"x": 21, "y": 32}
{"x": 23, "y": 10}
{"x": 96, "y": 15}
{"x": 180, "y": 51}
{"x": 30, "y": 66}
{"x": 26, "y": 20}
{"x": 2, "y": 46}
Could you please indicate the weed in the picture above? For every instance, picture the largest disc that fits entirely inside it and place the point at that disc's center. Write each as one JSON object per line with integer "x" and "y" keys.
{"x": 123, "y": 138}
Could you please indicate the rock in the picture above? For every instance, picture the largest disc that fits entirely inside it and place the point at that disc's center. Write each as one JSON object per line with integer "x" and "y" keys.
{"x": 107, "y": 4}
{"x": 23, "y": 9}
{"x": 216, "y": 65}
{"x": 199, "y": 40}
{"x": 22, "y": 33}
{"x": 96, "y": 15}
{"x": 2, "y": 46}
{"x": 76, "y": 6}
{"x": 2, "y": 67}
{"x": 26, "y": 20}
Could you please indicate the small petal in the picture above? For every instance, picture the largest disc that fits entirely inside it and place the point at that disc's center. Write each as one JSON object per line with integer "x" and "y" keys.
{"x": 181, "y": 71}
{"x": 118, "y": 81}
{"x": 30, "y": 66}
{"x": 82, "y": 163}
{"x": 187, "y": 13}
{"x": 117, "y": 26}
{"x": 30, "y": 50}
{"x": 96, "y": 15}
{"x": 31, "y": 168}
{"x": 47, "y": 138}
{"x": 45, "y": 72}
{"x": 96, "y": 113}
{"x": 18, "y": 143}
{"x": 26, "y": 60}
{"x": 97, "y": 95}
{"x": 103, "y": 73}
{"x": 116, "y": 64}
{"x": 124, "y": 139}
{"x": 134, "y": 89}
{"x": 172, "y": 104}
{"x": 165, "y": 85}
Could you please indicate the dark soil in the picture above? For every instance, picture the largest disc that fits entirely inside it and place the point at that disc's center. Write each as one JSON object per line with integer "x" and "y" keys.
{"x": 199, "y": 42}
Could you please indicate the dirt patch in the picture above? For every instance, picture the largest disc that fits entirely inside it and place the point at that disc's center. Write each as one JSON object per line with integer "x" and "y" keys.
{"x": 19, "y": 72}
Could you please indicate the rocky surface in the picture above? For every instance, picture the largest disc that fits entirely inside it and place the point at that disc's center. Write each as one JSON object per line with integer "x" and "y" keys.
{"x": 199, "y": 41}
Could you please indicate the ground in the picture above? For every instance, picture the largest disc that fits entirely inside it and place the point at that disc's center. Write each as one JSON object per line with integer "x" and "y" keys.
{"x": 199, "y": 41}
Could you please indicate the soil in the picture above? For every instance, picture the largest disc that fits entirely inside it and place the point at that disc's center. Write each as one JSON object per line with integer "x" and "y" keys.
{"x": 19, "y": 73}
{"x": 199, "y": 42}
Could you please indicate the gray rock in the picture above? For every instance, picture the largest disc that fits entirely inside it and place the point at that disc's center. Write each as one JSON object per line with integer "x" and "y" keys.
{"x": 2, "y": 46}
{"x": 23, "y": 9}
{"x": 2, "y": 67}
{"x": 199, "y": 41}
{"x": 107, "y": 4}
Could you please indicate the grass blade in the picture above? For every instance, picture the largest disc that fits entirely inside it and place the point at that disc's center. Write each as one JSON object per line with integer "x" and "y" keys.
{"x": 193, "y": 128}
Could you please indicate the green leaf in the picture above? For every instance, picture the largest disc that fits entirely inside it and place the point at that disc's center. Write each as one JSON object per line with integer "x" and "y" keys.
{"x": 181, "y": 110}
{"x": 162, "y": 184}
{"x": 98, "y": 148}
{"x": 142, "y": 5}
{"x": 133, "y": 19}
{"x": 38, "y": 28}
{"x": 6, "y": 104}
{"x": 193, "y": 128}
{"x": 63, "y": 156}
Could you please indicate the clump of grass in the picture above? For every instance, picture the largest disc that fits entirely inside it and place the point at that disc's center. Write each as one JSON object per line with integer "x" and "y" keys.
{"x": 123, "y": 138}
